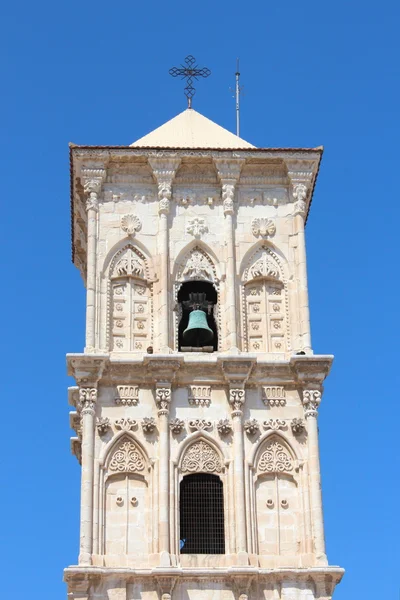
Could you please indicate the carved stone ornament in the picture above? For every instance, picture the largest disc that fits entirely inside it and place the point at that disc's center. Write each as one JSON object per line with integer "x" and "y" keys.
{"x": 201, "y": 457}
{"x": 127, "y": 458}
{"x": 176, "y": 425}
{"x": 196, "y": 227}
{"x": 148, "y": 424}
{"x": 199, "y": 395}
{"x": 228, "y": 194}
{"x": 103, "y": 424}
{"x": 297, "y": 426}
{"x": 263, "y": 268}
{"x": 224, "y": 426}
{"x": 263, "y": 227}
{"x": 300, "y": 192}
{"x": 127, "y": 395}
{"x": 200, "y": 424}
{"x": 131, "y": 224}
{"x": 237, "y": 398}
{"x": 311, "y": 401}
{"x": 87, "y": 400}
{"x": 125, "y": 424}
{"x": 274, "y": 395}
{"x": 129, "y": 265}
{"x": 198, "y": 267}
{"x": 163, "y": 399}
{"x": 274, "y": 424}
{"x": 275, "y": 459}
{"x": 251, "y": 426}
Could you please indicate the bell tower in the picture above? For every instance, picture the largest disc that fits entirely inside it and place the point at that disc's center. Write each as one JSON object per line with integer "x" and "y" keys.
{"x": 197, "y": 394}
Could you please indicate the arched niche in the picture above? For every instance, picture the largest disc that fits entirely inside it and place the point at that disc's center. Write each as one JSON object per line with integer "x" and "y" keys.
{"x": 196, "y": 271}
{"x": 125, "y": 502}
{"x": 200, "y": 455}
{"x": 130, "y": 301}
{"x": 264, "y": 301}
{"x": 277, "y": 507}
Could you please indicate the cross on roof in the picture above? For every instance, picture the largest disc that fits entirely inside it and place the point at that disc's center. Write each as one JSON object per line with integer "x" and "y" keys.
{"x": 190, "y": 71}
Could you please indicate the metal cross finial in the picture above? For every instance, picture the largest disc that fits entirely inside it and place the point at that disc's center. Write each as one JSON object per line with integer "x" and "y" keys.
{"x": 190, "y": 72}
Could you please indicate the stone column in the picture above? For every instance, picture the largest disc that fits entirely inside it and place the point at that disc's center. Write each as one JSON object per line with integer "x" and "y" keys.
{"x": 236, "y": 399}
{"x": 92, "y": 181}
{"x": 164, "y": 170}
{"x": 163, "y": 399}
{"x": 87, "y": 403}
{"x": 300, "y": 207}
{"x": 229, "y": 173}
{"x": 311, "y": 401}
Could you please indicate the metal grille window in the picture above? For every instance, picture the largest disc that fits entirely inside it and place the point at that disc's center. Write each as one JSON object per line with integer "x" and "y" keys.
{"x": 202, "y": 515}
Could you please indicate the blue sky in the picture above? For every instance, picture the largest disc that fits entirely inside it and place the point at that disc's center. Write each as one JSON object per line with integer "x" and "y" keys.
{"x": 97, "y": 73}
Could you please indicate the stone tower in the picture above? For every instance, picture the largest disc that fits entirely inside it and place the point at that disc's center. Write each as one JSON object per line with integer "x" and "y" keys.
{"x": 200, "y": 461}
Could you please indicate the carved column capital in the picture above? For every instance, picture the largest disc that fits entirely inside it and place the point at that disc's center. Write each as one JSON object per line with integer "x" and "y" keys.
{"x": 164, "y": 170}
{"x": 92, "y": 180}
{"x": 311, "y": 402}
{"x": 87, "y": 400}
{"x": 228, "y": 173}
{"x": 163, "y": 398}
{"x": 237, "y": 396}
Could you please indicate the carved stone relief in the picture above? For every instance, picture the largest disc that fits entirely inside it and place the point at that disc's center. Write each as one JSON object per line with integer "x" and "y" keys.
{"x": 200, "y": 456}
{"x": 274, "y": 395}
{"x": 199, "y": 395}
{"x": 131, "y": 224}
{"x": 200, "y": 424}
{"x": 127, "y": 395}
{"x": 263, "y": 227}
{"x": 197, "y": 265}
{"x": 275, "y": 459}
{"x": 125, "y": 424}
{"x": 196, "y": 227}
{"x": 127, "y": 458}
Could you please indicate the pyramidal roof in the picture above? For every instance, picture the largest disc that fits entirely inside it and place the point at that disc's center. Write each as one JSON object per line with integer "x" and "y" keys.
{"x": 190, "y": 129}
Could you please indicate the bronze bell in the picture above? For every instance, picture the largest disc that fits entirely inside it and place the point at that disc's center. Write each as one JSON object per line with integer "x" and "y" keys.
{"x": 197, "y": 333}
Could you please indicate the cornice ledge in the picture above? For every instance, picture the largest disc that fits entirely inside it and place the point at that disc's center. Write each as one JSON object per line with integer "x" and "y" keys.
{"x": 86, "y": 369}
{"x": 311, "y": 370}
{"x": 76, "y": 573}
{"x": 236, "y": 370}
{"x": 163, "y": 367}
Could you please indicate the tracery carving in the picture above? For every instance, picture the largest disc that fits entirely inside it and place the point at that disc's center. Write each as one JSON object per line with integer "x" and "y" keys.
{"x": 264, "y": 268}
{"x": 129, "y": 265}
{"x": 199, "y": 457}
{"x": 198, "y": 266}
{"x": 127, "y": 458}
{"x": 275, "y": 459}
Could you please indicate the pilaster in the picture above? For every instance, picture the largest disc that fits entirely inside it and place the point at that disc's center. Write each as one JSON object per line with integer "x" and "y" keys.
{"x": 164, "y": 170}
{"x": 228, "y": 175}
{"x": 92, "y": 180}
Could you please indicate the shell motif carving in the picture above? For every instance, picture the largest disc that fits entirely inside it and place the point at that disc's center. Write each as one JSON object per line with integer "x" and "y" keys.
{"x": 131, "y": 224}
{"x": 263, "y": 227}
{"x": 275, "y": 459}
{"x": 126, "y": 459}
{"x": 201, "y": 457}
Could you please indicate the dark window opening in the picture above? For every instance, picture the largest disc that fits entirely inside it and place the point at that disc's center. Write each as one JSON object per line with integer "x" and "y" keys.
{"x": 189, "y": 290}
{"x": 202, "y": 515}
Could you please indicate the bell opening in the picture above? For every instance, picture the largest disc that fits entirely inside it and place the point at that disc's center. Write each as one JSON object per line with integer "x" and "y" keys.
{"x": 197, "y": 327}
